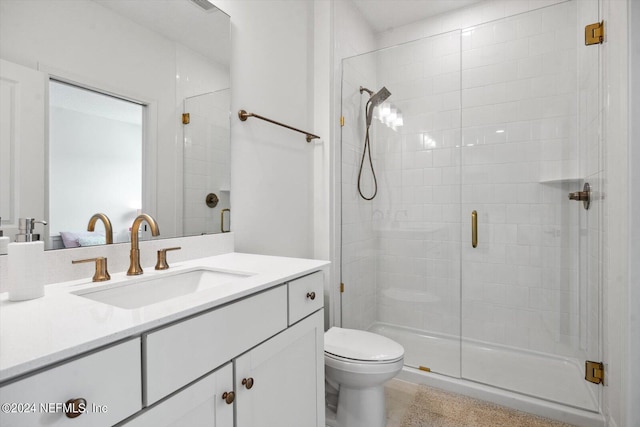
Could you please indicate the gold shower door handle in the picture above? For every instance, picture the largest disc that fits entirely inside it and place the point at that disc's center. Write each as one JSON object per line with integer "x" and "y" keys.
{"x": 474, "y": 229}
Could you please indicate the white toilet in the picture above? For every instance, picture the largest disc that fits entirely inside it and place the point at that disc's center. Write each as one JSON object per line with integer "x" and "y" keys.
{"x": 357, "y": 364}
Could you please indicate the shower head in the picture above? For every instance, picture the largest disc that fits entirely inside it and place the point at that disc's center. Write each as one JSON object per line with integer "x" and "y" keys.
{"x": 375, "y": 99}
{"x": 379, "y": 97}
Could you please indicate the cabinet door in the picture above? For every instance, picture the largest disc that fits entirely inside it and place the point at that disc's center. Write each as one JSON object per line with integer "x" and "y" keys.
{"x": 198, "y": 405}
{"x": 287, "y": 376}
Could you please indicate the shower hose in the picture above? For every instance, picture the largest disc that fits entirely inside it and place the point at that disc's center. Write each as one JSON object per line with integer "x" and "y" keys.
{"x": 365, "y": 151}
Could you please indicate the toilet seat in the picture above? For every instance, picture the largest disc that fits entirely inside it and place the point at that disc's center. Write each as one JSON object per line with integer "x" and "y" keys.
{"x": 350, "y": 345}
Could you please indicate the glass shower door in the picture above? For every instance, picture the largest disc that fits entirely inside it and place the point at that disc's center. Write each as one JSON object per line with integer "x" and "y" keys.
{"x": 529, "y": 316}
{"x": 401, "y": 250}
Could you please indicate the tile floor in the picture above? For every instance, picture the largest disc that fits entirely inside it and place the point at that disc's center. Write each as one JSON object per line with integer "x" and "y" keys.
{"x": 412, "y": 405}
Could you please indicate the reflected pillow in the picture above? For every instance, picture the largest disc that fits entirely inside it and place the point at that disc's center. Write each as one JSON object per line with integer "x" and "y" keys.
{"x": 94, "y": 239}
{"x": 69, "y": 239}
{"x": 74, "y": 239}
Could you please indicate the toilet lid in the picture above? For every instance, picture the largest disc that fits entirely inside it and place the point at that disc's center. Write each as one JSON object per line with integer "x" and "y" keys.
{"x": 361, "y": 345}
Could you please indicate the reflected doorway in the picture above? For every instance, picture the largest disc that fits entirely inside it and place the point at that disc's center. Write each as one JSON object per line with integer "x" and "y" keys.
{"x": 95, "y": 164}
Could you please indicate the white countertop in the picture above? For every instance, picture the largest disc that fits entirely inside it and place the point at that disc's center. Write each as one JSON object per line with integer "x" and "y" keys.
{"x": 61, "y": 325}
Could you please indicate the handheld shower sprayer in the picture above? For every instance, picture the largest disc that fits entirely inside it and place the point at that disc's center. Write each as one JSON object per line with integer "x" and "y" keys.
{"x": 375, "y": 99}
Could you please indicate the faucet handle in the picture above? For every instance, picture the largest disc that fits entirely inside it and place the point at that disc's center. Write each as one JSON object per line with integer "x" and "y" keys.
{"x": 162, "y": 258}
{"x": 101, "y": 273}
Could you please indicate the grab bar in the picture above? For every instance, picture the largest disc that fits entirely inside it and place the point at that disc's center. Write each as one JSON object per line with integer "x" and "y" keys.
{"x": 243, "y": 115}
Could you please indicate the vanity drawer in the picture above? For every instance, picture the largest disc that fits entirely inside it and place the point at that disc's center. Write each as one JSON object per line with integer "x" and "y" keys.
{"x": 108, "y": 380}
{"x": 305, "y": 296}
{"x": 183, "y": 352}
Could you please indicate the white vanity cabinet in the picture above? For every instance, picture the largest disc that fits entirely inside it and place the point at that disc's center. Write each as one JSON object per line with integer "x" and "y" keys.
{"x": 108, "y": 381}
{"x": 206, "y": 403}
{"x": 281, "y": 382}
{"x": 190, "y": 371}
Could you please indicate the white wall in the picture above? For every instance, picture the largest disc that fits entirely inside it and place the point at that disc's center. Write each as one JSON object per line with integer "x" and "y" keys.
{"x": 272, "y": 167}
{"x": 632, "y": 388}
{"x": 615, "y": 143}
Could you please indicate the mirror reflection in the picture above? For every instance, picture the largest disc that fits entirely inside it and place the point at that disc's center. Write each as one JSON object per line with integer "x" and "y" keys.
{"x": 97, "y": 93}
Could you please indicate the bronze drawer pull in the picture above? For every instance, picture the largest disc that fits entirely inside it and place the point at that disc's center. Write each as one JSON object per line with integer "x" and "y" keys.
{"x": 229, "y": 397}
{"x": 247, "y": 382}
{"x": 73, "y": 408}
{"x": 311, "y": 295}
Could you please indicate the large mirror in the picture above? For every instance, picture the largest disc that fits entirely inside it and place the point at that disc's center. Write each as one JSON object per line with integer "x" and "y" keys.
{"x": 117, "y": 107}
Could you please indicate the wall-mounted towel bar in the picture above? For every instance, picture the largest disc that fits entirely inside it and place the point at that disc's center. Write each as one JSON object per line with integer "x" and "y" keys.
{"x": 243, "y": 115}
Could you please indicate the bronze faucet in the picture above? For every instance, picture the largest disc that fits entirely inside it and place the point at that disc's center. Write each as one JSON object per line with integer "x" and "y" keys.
{"x": 107, "y": 226}
{"x": 134, "y": 266}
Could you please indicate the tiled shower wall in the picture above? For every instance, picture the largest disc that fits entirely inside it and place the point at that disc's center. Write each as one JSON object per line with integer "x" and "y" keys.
{"x": 518, "y": 128}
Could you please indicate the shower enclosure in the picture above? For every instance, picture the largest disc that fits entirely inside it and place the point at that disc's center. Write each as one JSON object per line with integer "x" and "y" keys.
{"x": 206, "y": 160}
{"x": 496, "y": 119}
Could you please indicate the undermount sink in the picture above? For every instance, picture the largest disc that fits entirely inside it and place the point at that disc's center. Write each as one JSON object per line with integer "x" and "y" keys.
{"x": 145, "y": 292}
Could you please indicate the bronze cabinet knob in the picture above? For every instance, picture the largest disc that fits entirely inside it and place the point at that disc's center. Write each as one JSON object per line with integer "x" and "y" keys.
{"x": 311, "y": 295}
{"x": 75, "y": 407}
{"x": 229, "y": 397}
{"x": 247, "y": 382}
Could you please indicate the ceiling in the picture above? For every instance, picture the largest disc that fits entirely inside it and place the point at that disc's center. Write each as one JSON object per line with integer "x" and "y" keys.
{"x": 386, "y": 14}
{"x": 182, "y": 21}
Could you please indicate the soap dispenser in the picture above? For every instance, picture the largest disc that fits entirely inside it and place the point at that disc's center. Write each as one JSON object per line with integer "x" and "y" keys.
{"x": 4, "y": 240}
{"x": 25, "y": 230}
{"x": 26, "y": 263}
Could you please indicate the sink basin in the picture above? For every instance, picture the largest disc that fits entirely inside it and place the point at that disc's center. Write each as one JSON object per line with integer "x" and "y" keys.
{"x": 162, "y": 288}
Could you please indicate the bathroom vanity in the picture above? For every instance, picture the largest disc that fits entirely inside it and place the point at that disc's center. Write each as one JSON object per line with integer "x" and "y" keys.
{"x": 235, "y": 331}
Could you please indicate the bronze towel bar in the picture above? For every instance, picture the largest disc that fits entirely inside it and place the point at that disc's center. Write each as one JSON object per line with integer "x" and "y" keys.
{"x": 243, "y": 115}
